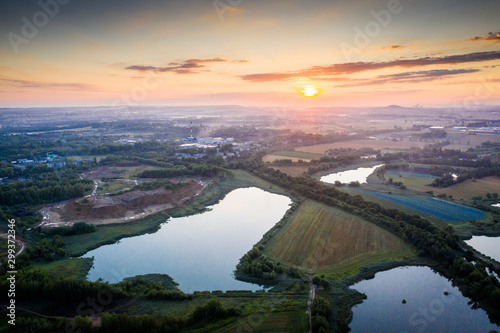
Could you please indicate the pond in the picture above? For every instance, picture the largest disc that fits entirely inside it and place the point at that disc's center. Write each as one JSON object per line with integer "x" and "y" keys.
{"x": 427, "y": 308}
{"x": 200, "y": 252}
{"x": 345, "y": 177}
{"x": 489, "y": 246}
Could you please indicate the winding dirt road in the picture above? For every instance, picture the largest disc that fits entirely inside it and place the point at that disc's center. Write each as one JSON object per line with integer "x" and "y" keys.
{"x": 20, "y": 244}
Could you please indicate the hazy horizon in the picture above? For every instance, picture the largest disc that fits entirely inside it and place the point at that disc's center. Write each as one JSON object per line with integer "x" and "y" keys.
{"x": 251, "y": 53}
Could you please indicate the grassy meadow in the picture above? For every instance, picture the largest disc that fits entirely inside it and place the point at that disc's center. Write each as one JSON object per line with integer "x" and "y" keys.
{"x": 362, "y": 143}
{"x": 295, "y": 156}
{"x": 465, "y": 190}
{"x": 324, "y": 239}
{"x": 72, "y": 268}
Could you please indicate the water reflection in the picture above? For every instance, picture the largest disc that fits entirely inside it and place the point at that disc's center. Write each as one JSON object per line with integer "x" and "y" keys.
{"x": 345, "y": 177}
{"x": 432, "y": 304}
{"x": 486, "y": 245}
{"x": 201, "y": 251}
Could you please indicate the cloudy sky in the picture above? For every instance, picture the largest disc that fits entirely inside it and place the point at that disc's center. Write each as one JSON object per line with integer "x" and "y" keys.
{"x": 249, "y": 52}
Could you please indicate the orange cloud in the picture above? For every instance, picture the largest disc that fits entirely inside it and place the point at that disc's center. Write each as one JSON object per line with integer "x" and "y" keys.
{"x": 490, "y": 37}
{"x": 357, "y": 67}
{"x": 392, "y": 47}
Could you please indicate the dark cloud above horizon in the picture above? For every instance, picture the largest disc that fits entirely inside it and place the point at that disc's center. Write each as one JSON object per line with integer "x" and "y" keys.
{"x": 8, "y": 81}
{"x": 185, "y": 67}
{"x": 392, "y": 47}
{"x": 490, "y": 37}
{"x": 357, "y": 67}
{"x": 411, "y": 77}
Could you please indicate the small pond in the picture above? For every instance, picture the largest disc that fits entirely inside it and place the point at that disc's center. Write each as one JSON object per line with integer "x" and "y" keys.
{"x": 345, "y": 177}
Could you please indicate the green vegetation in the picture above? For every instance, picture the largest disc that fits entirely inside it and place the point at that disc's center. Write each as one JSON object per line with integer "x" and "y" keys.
{"x": 192, "y": 170}
{"x": 279, "y": 322}
{"x": 72, "y": 268}
{"x": 78, "y": 245}
{"x": 297, "y": 154}
{"x": 113, "y": 186}
{"x": 3, "y": 247}
{"x": 163, "y": 279}
{"x": 78, "y": 228}
{"x": 319, "y": 238}
{"x": 44, "y": 188}
{"x": 320, "y": 312}
{"x": 466, "y": 190}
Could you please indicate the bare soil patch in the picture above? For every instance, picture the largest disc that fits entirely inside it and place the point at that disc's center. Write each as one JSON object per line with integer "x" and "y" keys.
{"x": 126, "y": 207}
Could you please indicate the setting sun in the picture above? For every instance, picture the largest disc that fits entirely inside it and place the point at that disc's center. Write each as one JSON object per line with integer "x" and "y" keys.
{"x": 310, "y": 91}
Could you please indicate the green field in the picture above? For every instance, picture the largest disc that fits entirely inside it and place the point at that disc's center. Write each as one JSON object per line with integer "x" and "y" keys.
{"x": 294, "y": 155}
{"x": 78, "y": 245}
{"x": 362, "y": 143}
{"x": 324, "y": 239}
{"x": 114, "y": 185}
{"x": 73, "y": 268}
{"x": 292, "y": 170}
{"x": 261, "y": 312}
{"x": 270, "y": 322}
{"x": 465, "y": 190}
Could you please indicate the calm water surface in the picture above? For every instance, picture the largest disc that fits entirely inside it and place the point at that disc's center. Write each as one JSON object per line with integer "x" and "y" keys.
{"x": 345, "y": 177}
{"x": 200, "y": 252}
{"x": 427, "y": 309}
{"x": 486, "y": 245}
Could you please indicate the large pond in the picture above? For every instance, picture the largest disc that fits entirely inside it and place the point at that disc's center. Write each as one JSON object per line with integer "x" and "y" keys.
{"x": 427, "y": 308}
{"x": 345, "y": 177}
{"x": 486, "y": 245}
{"x": 200, "y": 252}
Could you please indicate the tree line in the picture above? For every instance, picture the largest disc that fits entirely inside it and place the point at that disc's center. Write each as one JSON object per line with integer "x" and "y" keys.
{"x": 44, "y": 189}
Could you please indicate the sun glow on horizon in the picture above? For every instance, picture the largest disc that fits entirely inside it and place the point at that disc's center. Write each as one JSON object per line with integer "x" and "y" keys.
{"x": 310, "y": 91}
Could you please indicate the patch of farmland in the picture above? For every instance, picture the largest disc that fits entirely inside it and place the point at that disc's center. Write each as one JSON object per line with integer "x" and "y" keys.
{"x": 292, "y": 170}
{"x": 322, "y": 238}
{"x": 297, "y": 154}
{"x": 442, "y": 209}
{"x": 465, "y": 190}
{"x": 409, "y": 174}
{"x": 464, "y": 141}
{"x": 271, "y": 158}
{"x": 276, "y": 322}
{"x": 362, "y": 143}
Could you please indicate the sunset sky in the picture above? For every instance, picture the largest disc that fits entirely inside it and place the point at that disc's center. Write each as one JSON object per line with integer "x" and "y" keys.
{"x": 249, "y": 52}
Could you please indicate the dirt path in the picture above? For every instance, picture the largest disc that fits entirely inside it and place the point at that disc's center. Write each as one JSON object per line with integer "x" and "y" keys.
{"x": 312, "y": 294}
{"x": 94, "y": 191}
{"x": 19, "y": 243}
